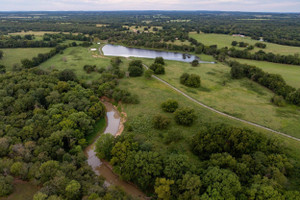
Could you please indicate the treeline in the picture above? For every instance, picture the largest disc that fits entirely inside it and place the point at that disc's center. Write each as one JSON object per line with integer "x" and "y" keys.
{"x": 234, "y": 163}
{"x": 63, "y": 37}
{"x": 24, "y": 43}
{"x": 26, "y": 63}
{"x": 44, "y": 121}
{"x": 274, "y": 82}
{"x": 263, "y": 56}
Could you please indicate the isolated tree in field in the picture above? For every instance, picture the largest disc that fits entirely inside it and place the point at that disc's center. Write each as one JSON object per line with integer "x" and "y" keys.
{"x": 185, "y": 116}
{"x": 160, "y": 122}
{"x": 159, "y": 60}
{"x": 135, "y": 68}
{"x": 260, "y": 45}
{"x": 1, "y": 54}
{"x": 234, "y": 43}
{"x": 2, "y": 69}
{"x": 195, "y": 63}
{"x": 157, "y": 68}
{"x": 190, "y": 80}
{"x": 67, "y": 75}
{"x": 169, "y": 105}
{"x": 148, "y": 73}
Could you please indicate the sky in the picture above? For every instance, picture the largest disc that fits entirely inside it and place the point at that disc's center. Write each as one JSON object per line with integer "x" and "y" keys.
{"x": 106, "y": 5}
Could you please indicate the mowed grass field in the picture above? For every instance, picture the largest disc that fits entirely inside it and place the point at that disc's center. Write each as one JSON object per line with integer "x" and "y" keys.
{"x": 290, "y": 73}
{"x": 222, "y": 40}
{"x": 14, "y": 56}
{"x": 243, "y": 98}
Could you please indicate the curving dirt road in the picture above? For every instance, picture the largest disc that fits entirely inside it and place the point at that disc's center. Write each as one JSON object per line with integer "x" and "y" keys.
{"x": 219, "y": 112}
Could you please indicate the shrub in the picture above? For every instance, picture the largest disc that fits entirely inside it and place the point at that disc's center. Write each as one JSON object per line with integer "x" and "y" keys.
{"x": 234, "y": 43}
{"x": 148, "y": 73}
{"x": 115, "y": 62}
{"x": 260, "y": 45}
{"x": 169, "y": 105}
{"x": 172, "y": 136}
{"x": 135, "y": 68}
{"x": 157, "y": 68}
{"x": 190, "y": 80}
{"x": 294, "y": 97}
{"x": 185, "y": 116}
{"x": 67, "y": 75}
{"x": 1, "y": 54}
{"x": 2, "y": 69}
{"x": 89, "y": 68}
{"x": 160, "y": 122}
{"x": 195, "y": 63}
{"x": 159, "y": 60}
{"x": 277, "y": 100}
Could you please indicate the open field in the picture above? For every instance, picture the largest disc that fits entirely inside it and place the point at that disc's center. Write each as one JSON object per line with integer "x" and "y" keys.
{"x": 14, "y": 56}
{"x": 290, "y": 73}
{"x": 152, "y": 93}
{"x": 240, "y": 98}
{"x": 223, "y": 40}
{"x": 22, "y": 191}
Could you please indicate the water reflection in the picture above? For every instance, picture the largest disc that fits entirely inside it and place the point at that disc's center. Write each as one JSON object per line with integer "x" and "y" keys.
{"x": 117, "y": 50}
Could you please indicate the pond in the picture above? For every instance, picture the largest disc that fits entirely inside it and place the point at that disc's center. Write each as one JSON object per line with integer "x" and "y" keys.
{"x": 117, "y": 50}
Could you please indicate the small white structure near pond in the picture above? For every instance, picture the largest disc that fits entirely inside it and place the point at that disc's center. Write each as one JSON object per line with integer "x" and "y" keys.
{"x": 98, "y": 43}
{"x": 93, "y": 49}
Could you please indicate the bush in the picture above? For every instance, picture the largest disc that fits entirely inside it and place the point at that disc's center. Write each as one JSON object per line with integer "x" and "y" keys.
{"x": 1, "y": 54}
{"x": 185, "y": 116}
{"x": 135, "y": 68}
{"x": 277, "y": 100}
{"x": 125, "y": 96}
{"x": 2, "y": 69}
{"x": 67, "y": 75}
{"x": 157, "y": 68}
{"x": 148, "y": 73}
{"x": 172, "y": 136}
{"x": 260, "y": 45}
{"x": 6, "y": 185}
{"x": 89, "y": 68}
{"x": 115, "y": 62}
{"x": 195, "y": 63}
{"x": 294, "y": 97}
{"x": 159, "y": 60}
{"x": 160, "y": 122}
{"x": 169, "y": 105}
{"x": 190, "y": 80}
{"x": 234, "y": 43}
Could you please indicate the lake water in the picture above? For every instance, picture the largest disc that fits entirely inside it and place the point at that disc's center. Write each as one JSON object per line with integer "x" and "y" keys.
{"x": 117, "y": 50}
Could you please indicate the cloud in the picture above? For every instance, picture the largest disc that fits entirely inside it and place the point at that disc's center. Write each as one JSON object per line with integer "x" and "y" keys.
{"x": 225, "y": 5}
